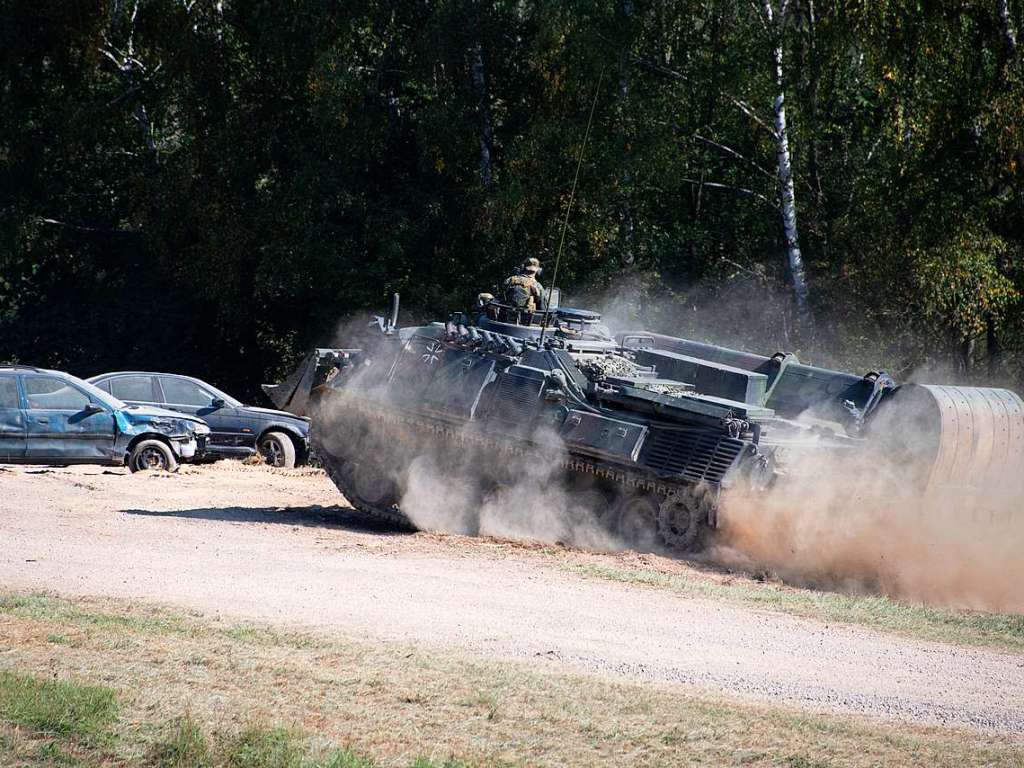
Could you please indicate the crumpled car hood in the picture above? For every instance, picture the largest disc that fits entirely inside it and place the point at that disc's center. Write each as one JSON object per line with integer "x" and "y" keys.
{"x": 141, "y": 414}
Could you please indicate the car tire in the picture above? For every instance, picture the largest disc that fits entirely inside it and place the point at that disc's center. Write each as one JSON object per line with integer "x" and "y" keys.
{"x": 277, "y": 450}
{"x": 152, "y": 454}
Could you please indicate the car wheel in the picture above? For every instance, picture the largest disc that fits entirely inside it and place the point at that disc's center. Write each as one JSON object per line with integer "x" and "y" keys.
{"x": 277, "y": 450}
{"x": 152, "y": 454}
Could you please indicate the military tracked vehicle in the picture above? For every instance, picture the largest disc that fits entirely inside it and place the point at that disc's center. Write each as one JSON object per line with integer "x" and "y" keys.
{"x": 651, "y": 430}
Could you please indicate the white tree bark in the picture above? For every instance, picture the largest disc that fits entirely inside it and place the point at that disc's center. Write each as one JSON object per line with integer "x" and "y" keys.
{"x": 131, "y": 70}
{"x": 1009, "y": 32}
{"x": 776, "y": 20}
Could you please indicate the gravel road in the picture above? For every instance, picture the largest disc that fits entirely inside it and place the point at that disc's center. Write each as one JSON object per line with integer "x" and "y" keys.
{"x": 251, "y": 543}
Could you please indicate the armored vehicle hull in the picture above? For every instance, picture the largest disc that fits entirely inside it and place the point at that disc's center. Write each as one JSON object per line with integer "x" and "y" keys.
{"x": 649, "y": 431}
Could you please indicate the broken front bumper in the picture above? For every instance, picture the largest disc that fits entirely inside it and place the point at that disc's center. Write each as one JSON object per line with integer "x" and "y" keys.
{"x": 191, "y": 446}
{"x": 184, "y": 446}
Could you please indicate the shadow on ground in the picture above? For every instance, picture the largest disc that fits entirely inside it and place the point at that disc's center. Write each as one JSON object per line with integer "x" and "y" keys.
{"x": 346, "y": 518}
{"x": 312, "y": 516}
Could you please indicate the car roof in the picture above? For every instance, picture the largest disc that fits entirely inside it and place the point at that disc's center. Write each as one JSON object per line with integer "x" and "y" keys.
{"x": 15, "y": 367}
{"x": 112, "y": 374}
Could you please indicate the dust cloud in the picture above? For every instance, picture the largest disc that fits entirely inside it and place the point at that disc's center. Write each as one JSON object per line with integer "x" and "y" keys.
{"x": 855, "y": 527}
{"x": 524, "y": 498}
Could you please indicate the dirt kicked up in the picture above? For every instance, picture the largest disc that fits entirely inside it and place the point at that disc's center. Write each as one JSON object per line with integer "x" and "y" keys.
{"x": 235, "y": 543}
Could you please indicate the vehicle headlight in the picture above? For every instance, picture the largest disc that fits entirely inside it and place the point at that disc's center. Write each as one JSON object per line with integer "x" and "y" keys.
{"x": 200, "y": 429}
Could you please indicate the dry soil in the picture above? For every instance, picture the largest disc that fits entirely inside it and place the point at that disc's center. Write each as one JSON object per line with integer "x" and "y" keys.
{"x": 246, "y": 542}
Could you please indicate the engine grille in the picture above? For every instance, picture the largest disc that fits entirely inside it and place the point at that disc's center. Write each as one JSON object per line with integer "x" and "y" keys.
{"x": 695, "y": 454}
{"x": 517, "y": 398}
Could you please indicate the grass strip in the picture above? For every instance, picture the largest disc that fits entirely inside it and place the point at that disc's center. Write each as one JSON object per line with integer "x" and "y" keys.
{"x": 974, "y": 628}
{"x": 59, "y": 707}
{"x": 393, "y": 702}
{"x": 45, "y": 722}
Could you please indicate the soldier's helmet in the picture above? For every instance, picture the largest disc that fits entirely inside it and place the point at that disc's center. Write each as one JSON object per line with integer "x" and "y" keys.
{"x": 531, "y": 266}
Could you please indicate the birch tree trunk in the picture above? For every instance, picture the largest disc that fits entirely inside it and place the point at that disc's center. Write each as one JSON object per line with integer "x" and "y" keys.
{"x": 1009, "y": 32}
{"x": 775, "y": 21}
{"x": 131, "y": 70}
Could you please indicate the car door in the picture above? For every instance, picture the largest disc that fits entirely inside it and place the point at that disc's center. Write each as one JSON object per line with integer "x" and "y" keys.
{"x": 12, "y": 420}
{"x": 63, "y": 423}
{"x": 187, "y": 396}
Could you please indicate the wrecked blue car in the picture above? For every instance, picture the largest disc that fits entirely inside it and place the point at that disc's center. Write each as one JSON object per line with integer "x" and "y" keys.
{"x": 49, "y": 417}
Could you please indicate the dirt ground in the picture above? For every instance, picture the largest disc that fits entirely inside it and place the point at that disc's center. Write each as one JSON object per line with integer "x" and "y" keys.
{"x": 251, "y": 543}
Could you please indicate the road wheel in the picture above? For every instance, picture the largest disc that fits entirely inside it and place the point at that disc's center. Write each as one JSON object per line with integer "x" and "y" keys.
{"x": 633, "y": 518}
{"x": 152, "y": 454}
{"x": 587, "y": 505}
{"x": 682, "y": 517}
{"x": 371, "y": 484}
{"x": 277, "y": 450}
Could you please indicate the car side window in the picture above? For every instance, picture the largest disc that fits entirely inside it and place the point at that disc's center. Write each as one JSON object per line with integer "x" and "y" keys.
{"x": 9, "y": 393}
{"x": 184, "y": 392}
{"x": 128, "y": 388}
{"x": 49, "y": 393}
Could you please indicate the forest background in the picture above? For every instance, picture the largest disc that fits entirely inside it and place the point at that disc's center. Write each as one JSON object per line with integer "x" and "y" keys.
{"x": 213, "y": 186}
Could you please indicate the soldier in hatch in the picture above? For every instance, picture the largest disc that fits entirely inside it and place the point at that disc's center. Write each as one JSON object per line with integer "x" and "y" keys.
{"x": 522, "y": 290}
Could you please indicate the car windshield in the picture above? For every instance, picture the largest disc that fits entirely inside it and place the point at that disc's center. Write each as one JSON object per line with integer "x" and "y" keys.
{"x": 223, "y": 396}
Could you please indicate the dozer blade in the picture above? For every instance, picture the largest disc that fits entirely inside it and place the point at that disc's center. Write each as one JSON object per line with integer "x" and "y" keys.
{"x": 293, "y": 393}
{"x": 947, "y": 437}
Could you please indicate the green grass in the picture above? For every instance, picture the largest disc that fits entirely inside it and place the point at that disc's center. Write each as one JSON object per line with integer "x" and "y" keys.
{"x": 145, "y": 620}
{"x": 59, "y": 707}
{"x": 265, "y": 636}
{"x": 265, "y": 748}
{"x": 67, "y": 723}
{"x": 798, "y": 761}
{"x": 52, "y": 753}
{"x": 184, "y": 745}
{"x": 43, "y": 607}
{"x": 1004, "y": 631}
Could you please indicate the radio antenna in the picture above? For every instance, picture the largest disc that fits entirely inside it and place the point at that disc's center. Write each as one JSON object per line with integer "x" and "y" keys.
{"x": 568, "y": 208}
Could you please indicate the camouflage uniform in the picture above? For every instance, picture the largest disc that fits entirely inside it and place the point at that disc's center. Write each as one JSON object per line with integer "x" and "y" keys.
{"x": 522, "y": 290}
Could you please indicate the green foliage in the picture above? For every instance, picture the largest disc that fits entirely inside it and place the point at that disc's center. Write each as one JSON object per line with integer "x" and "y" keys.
{"x": 961, "y": 286}
{"x": 252, "y": 174}
{"x": 57, "y": 707}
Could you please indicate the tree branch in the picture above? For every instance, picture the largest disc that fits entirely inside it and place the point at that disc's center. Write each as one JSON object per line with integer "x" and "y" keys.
{"x": 731, "y": 188}
{"x": 760, "y": 276}
{"x": 83, "y": 228}
{"x": 733, "y": 153}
